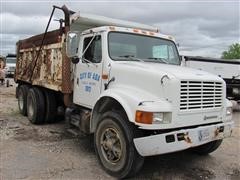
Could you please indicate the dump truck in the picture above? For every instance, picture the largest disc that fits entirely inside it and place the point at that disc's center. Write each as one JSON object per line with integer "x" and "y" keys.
{"x": 229, "y": 70}
{"x": 122, "y": 82}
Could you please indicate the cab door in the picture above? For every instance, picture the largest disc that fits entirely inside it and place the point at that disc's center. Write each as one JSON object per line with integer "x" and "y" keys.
{"x": 88, "y": 81}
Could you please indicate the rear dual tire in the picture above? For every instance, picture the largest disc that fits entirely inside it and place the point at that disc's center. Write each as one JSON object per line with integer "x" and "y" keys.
{"x": 38, "y": 104}
{"x": 50, "y": 106}
{"x": 22, "y": 93}
{"x": 41, "y": 106}
{"x": 35, "y": 106}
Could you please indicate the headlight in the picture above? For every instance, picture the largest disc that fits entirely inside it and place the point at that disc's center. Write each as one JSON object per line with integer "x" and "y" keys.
{"x": 153, "y": 117}
{"x": 162, "y": 118}
{"x": 229, "y": 111}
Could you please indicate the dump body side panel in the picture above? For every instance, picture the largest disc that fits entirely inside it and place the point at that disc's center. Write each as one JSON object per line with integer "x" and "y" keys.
{"x": 46, "y": 71}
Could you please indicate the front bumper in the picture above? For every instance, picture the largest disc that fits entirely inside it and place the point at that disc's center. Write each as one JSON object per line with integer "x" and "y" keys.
{"x": 181, "y": 139}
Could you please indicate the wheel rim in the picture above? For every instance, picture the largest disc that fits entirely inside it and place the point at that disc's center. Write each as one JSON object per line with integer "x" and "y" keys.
{"x": 111, "y": 145}
{"x": 30, "y": 109}
{"x": 20, "y": 100}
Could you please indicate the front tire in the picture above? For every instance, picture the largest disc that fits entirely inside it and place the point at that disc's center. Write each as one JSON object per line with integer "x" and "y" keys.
{"x": 35, "y": 106}
{"x": 114, "y": 146}
{"x": 207, "y": 148}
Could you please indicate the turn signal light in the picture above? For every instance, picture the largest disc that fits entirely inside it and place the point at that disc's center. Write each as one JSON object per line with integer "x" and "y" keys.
{"x": 104, "y": 76}
{"x": 144, "y": 117}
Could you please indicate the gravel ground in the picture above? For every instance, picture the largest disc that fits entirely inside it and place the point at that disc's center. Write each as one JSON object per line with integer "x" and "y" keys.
{"x": 49, "y": 152}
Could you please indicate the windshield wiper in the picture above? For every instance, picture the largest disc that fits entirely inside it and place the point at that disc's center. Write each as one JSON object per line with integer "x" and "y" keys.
{"x": 131, "y": 57}
{"x": 161, "y": 59}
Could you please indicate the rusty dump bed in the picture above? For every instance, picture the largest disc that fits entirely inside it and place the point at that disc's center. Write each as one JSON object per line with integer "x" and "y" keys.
{"x": 50, "y": 68}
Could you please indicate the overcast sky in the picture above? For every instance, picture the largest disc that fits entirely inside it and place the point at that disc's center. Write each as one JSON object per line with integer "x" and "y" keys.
{"x": 201, "y": 27}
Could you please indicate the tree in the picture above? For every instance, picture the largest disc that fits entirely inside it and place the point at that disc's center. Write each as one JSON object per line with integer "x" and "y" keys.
{"x": 233, "y": 52}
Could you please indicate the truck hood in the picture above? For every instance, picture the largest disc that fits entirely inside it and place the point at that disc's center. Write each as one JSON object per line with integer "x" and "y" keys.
{"x": 159, "y": 69}
{"x": 162, "y": 84}
{"x": 155, "y": 79}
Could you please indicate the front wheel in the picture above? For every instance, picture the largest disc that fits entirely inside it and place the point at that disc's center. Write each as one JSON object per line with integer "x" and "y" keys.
{"x": 114, "y": 146}
{"x": 207, "y": 148}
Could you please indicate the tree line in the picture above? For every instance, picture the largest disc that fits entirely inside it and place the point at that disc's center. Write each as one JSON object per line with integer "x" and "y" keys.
{"x": 233, "y": 52}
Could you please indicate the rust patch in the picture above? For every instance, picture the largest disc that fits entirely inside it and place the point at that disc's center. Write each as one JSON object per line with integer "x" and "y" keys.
{"x": 53, "y": 67}
{"x": 48, "y": 69}
{"x": 187, "y": 138}
{"x": 50, "y": 38}
{"x": 217, "y": 132}
{"x": 66, "y": 73}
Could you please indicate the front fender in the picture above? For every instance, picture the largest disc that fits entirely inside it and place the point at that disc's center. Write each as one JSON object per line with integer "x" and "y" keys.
{"x": 132, "y": 100}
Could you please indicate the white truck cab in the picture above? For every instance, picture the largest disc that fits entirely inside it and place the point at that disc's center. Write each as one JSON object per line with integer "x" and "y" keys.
{"x": 121, "y": 81}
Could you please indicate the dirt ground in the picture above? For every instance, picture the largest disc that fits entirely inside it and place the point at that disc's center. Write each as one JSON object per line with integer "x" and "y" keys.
{"x": 49, "y": 152}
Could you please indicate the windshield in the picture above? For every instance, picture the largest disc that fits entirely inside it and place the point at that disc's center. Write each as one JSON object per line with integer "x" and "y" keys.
{"x": 11, "y": 60}
{"x": 134, "y": 47}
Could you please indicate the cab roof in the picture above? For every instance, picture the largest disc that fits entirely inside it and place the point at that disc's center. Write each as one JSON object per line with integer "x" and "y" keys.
{"x": 83, "y": 21}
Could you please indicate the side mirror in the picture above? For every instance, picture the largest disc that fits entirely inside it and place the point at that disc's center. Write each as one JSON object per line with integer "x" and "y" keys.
{"x": 72, "y": 44}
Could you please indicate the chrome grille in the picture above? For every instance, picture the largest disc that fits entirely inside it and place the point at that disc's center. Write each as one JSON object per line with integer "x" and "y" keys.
{"x": 200, "y": 95}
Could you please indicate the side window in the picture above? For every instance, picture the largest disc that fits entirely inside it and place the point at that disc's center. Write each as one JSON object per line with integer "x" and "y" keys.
{"x": 94, "y": 51}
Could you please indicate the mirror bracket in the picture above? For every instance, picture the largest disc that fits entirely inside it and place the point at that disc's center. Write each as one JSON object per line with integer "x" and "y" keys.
{"x": 75, "y": 60}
